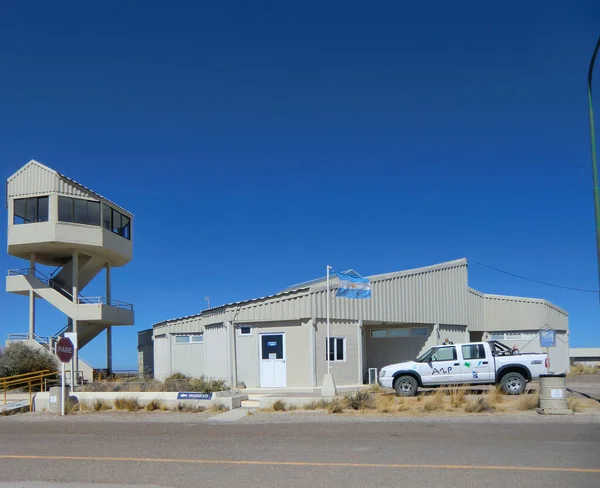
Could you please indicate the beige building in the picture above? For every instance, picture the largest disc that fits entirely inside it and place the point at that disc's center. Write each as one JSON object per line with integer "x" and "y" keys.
{"x": 280, "y": 340}
{"x": 67, "y": 235}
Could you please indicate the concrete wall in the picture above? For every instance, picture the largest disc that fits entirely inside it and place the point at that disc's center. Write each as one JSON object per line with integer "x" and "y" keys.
{"x": 297, "y": 352}
{"x": 217, "y": 352}
{"x": 344, "y": 372}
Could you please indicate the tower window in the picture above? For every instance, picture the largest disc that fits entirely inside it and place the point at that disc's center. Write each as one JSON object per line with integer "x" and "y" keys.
{"x": 30, "y": 210}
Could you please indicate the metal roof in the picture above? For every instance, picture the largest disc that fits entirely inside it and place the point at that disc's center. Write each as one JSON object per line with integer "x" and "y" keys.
{"x": 73, "y": 182}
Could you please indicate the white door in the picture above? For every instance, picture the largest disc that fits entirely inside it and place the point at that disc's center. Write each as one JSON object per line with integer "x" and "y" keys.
{"x": 272, "y": 361}
{"x": 476, "y": 367}
{"x": 442, "y": 367}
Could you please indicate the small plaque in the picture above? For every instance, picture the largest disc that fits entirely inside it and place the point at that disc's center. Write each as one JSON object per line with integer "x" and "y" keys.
{"x": 556, "y": 393}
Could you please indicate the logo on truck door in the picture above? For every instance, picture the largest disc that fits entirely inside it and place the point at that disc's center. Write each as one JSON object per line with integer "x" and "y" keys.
{"x": 442, "y": 370}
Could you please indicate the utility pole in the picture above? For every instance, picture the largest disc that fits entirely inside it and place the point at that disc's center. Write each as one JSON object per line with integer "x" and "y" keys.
{"x": 594, "y": 162}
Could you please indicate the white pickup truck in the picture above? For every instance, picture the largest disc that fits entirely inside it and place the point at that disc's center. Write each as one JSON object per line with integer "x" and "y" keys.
{"x": 470, "y": 363}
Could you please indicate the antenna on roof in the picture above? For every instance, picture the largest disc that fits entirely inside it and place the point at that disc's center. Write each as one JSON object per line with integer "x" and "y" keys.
{"x": 207, "y": 298}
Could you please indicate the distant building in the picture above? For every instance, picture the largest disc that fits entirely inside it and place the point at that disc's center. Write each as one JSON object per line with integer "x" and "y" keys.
{"x": 585, "y": 356}
{"x": 280, "y": 340}
{"x": 56, "y": 222}
{"x": 145, "y": 353}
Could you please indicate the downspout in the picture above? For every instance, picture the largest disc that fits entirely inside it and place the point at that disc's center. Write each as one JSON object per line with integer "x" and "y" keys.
{"x": 234, "y": 372}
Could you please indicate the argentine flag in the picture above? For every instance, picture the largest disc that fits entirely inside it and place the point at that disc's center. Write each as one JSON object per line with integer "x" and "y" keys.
{"x": 353, "y": 285}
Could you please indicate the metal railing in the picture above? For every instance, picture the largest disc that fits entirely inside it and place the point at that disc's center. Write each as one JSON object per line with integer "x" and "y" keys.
{"x": 26, "y": 380}
{"x": 68, "y": 293}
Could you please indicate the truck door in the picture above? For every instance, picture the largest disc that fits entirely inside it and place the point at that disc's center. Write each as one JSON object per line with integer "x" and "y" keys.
{"x": 442, "y": 367}
{"x": 477, "y": 364}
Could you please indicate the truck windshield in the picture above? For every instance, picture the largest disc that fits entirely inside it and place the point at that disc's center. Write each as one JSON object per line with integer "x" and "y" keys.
{"x": 423, "y": 357}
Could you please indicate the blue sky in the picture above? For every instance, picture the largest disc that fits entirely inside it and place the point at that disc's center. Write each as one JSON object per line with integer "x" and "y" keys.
{"x": 257, "y": 142}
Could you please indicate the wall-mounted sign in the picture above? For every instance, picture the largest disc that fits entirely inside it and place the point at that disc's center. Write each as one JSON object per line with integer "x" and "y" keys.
{"x": 272, "y": 344}
{"x": 194, "y": 395}
{"x": 548, "y": 338}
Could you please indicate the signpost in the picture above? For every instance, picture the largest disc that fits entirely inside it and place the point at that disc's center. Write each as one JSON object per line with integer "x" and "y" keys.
{"x": 64, "y": 351}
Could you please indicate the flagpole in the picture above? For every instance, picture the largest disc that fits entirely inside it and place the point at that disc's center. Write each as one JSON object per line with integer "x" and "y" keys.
{"x": 328, "y": 341}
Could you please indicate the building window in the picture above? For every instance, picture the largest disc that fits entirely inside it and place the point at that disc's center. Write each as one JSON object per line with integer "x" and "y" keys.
{"x": 245, "y": 331}
{"x": 116, "y": 222}
{"x": 198, "y": 338}
{"x": 336, "y": 350}
{"x": 182, "y": 339}
{"x": 513, "y": 336}
{"x": 399, "y": 332}
{"x": 30, "y": 210}
{"x": 78, "y": 211}
{"x": 473, "y": 351}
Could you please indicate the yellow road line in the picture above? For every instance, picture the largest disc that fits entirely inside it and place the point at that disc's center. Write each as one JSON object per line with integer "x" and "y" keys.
{"x": 301, "y": 463}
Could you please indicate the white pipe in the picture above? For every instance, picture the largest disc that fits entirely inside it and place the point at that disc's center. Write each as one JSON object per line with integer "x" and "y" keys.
{"x": 328, "y": 341}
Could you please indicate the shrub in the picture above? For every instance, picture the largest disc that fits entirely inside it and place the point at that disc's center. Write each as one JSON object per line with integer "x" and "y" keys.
{"x": 358, "y": 400}
{"x": 335, "y": 407}
{"x": 219, "y": 407}
{"x": 528, "y": 402}
{"x": 495, "y": 396}
{"x": 153, "y": 405}
{"x": 478, "y": 405}
{"x": 575, "y": 404}
{"x": 130, "y": 404}
{"x": 19, "y": 358}
{"x": 99, "y": 404}
{"x": 384, "y": 403}
{"x": 278, "y": 406}
{"x": 186, "y": 407}
{"x": 457, "y": 396}
{"x": 434, "y": 402}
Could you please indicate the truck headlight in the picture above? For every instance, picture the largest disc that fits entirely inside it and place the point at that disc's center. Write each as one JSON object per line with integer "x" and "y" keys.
{"x": 382, "y": 373}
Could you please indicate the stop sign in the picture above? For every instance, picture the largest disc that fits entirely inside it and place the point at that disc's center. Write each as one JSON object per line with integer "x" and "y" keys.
{"x": 65, "y": 349}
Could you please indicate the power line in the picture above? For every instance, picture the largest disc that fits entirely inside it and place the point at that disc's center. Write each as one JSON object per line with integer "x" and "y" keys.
{"x": 536, "y": 281}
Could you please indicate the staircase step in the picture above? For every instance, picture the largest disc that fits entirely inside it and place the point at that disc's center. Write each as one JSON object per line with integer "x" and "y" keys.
{"x": 250, "y": 403}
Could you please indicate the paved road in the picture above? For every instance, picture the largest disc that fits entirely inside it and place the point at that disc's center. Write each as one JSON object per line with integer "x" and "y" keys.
{"x": 197, "y": 453}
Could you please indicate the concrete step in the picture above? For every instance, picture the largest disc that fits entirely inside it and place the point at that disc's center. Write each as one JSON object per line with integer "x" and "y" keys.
{"x": 14, "y": 407}
{"x": 250, "y": 403}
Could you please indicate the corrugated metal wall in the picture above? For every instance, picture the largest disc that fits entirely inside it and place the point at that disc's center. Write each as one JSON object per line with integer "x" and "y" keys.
{"x": 559, "y": 355}
{"x": 188, "y": 359}
{"x": 476, "y": 310}
{"x": 217, "y": 352}
{"x": 513, "y": 313}
{"x": 162, "y": 357}
{"x": 32, "y": 179}
{"x": 390, "y": 350}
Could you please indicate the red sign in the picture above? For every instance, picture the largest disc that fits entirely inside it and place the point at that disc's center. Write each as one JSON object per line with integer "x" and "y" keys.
{"x": 65, "y": 349}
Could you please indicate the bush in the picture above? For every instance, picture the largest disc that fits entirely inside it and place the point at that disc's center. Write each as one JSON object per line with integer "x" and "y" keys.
{"x": 335, "y": 407}
{"x": 358, "y": 401}
{"x": 434, "y": 402}
{"x": 278, "y": 406}
{"x": 19, "y": 358}
{"x": 153, "y": 405}
{"x": 186, "y": 407}
{"x": 130, "y": 404}
{"x": 528, "y": 402}
{"x": 457, "y": 396}
{"x": 478, "y": 405}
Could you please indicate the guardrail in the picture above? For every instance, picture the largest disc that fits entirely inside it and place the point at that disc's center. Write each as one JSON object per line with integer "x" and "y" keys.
{"x": 66, "y": 293}
{"x": 26, "y": 380}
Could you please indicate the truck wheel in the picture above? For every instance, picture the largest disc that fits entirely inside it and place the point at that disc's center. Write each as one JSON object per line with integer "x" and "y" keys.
{"x": 406, "y": 386}
{"x": 513, "y": 383}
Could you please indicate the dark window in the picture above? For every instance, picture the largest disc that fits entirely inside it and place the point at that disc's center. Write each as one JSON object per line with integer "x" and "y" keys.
{"x": 245, "y": 331}
{"x": 93, "y": 213}
{"x": 336, "y": 350}
{"x": 126, "y": 227}
{"x": 65, "y": 209}
{"x": 272, "y": 346}
{"x": 80, "y": 215}
{"x": 473, "y": 351}
{"x": 106, "y": 217}
{"x": 117, "y": 227}
{"x": 42, "y": 209}
{"x": 20, "y": 209}
{"x": 30, "y": 210}
{"x": 444, "y": 354}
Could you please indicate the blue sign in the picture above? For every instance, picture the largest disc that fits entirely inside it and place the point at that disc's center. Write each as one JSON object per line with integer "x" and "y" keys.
{"x": 193, "y": 395}
{"x": 548, "y": 338}
{"x": 271, "y": 344}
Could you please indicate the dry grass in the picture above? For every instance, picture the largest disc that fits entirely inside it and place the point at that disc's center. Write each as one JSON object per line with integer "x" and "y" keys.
{"x": 219, "y": 408}
{"x": 153, "y": 405}
{"x": 527, "y": 402}
{"x": 575, "y": 404}
{"x": 457, "y": 396}
{"x": 579, "y": 369}
{"x": 434, "y": 402}
{"x": 494, "y": 397}
{"x": 130, "y": 404}
{"x": 186, "y": 407}
{"x": 278, "y": 406}
{"x": 335, "y": 407}
{"x": 403, "y": 404}
{"x": 359, "y": 400}
{"x": 375, "y": 389}
{"x": 384, "y": 403}
{"x": 317, "y": 405}
{"x": 478, "y": 405}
